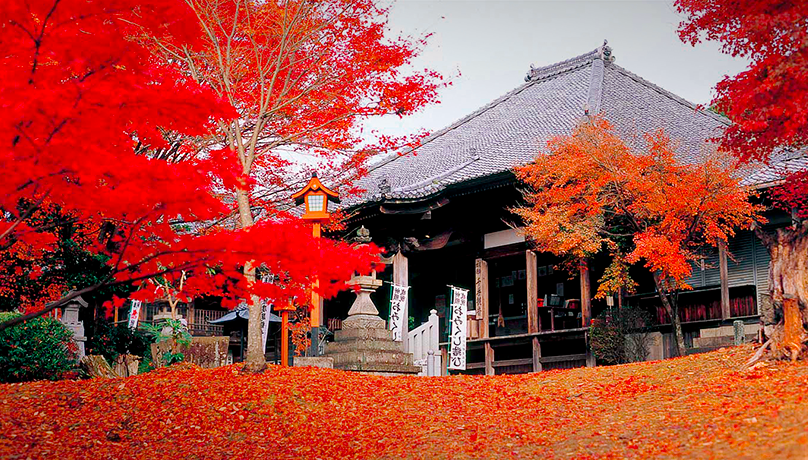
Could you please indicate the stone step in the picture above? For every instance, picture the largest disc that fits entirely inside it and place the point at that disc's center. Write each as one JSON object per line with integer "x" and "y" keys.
{"x": 367, "y": 357}
{"x": 380, "y": 368}
{"x": 363, "y": 344}
{"x": 365, "y": 334}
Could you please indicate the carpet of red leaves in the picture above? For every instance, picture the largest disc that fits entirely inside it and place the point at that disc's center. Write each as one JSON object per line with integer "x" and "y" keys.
{"x": 697, "y": 407}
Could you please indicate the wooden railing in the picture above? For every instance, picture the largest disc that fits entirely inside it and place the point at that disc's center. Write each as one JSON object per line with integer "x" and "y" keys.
{"x": 422, "y": 342}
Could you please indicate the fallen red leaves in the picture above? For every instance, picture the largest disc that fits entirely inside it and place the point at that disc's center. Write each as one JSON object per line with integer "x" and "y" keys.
{"x": 702, "y": 406}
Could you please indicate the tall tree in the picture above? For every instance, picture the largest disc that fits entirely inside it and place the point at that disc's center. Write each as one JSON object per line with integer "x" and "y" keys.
{"x": 768, "y": 105}
{"x": 590, "y": 193}
{"x": 301, "y": 75}
{"x": 79, "y": 94}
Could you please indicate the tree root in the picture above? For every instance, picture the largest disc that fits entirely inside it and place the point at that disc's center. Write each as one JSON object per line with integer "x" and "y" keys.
{"x": 759, "y": 354}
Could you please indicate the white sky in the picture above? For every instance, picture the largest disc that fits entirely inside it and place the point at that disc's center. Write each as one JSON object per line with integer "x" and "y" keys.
{"x": 492, "y": 43}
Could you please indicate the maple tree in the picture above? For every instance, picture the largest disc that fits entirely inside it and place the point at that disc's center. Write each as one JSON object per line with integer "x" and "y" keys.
{"x": 768, "y": 106}
{"x": 82, "y": 101}
{"x": 301, "y": 76}
{"x": 591, "y": 192}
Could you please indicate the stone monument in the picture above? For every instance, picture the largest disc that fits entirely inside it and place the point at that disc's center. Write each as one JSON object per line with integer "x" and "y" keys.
{"x": 70, "y": 318}
{"x": 364, "y": 344}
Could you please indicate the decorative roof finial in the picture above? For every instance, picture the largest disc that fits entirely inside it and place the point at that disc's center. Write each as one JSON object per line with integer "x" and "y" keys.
{"x": 362, "y": 235}
{"x": 605, "y": 52}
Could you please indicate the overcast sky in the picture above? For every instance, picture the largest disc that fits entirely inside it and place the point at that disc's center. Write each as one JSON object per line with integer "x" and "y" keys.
{"x": 488, "y": 46}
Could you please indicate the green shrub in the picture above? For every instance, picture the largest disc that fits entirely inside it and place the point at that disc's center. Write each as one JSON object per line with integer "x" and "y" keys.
{"x": 620, "y": 336}
{"x": 37, "y": 349}
{"x": 110, "y": 341}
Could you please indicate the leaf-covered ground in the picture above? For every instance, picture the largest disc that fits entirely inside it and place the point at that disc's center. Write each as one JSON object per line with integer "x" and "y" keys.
{"x": 698, "y": 407}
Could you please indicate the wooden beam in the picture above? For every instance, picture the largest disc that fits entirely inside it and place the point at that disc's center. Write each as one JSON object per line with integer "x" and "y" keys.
{"x": 536, "y": 355}
{"x": 724, "y": 271}
{"x": 532, "y": 292}
{"x": 586, "y": 294}
{"x": 401, "y": 277}
{"x": 560, "y": 359}
{"x": 489, "y": 359}
{"x": 481, "y": 295}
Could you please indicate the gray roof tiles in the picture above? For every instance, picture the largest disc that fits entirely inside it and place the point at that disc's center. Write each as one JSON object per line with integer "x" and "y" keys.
{"x": 514, "y": 128}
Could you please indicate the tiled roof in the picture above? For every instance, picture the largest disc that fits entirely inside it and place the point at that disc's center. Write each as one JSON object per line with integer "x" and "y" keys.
{"x": 513, "y": 129}
{"x": 775, "y": 172}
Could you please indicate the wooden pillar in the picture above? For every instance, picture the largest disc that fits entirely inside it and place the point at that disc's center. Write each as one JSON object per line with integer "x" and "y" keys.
{"x": 481, "y": 295}
{"x": 191, "y": 314}
{"x": 724, "y": 271}
{"x": 536, "y": 355}
{"x": 489, "y": 359}
{"x": 586, "y": 293}
{"x": 532, "y": 292}
{"x": 401, "y": 277}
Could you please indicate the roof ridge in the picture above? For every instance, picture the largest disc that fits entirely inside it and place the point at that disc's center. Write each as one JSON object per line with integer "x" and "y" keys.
{"x": 671, "y": 95}
{"x": 540, "y": 73}
{"x": 557, "y": 69}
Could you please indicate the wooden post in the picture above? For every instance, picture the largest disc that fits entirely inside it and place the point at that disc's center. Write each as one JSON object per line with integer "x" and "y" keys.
{"x": 285, "y": 338}
{"x": 191, "y": 314}
{"x": 314, "y": 316}
{"x": 536, "y": 355}
{"x": 532, "y": 292}
{"x": 722, "y": 265}
{"x": 401, "y": 278}
{"x": 481, "y": 295}
{"x": 586, "y": 293}
{"x": 489, "y": 359}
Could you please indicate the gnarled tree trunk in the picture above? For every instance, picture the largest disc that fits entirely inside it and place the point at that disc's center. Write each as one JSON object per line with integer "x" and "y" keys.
{"x": 788, "y": 286}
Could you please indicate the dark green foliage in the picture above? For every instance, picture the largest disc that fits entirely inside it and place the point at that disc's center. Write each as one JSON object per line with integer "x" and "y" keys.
{"x": 37, "y": 349}
{"x": 620, "y": 336}
{"x": 111, "y": 340}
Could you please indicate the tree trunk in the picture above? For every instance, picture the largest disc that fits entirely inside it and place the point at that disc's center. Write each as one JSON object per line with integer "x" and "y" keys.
{"x": 255, "y": 360}
{"x": 673, "y": 311}
{"x": 788, "y": 286}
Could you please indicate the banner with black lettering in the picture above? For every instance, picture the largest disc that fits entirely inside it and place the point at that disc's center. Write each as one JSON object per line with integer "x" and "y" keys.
{"x": 457, "y": 338}
{"x": 398, "y": 304}
{"x": 134, "y": 314}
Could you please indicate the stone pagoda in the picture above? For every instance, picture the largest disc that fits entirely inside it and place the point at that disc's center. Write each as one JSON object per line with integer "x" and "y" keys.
{"x": 364, "y": 344}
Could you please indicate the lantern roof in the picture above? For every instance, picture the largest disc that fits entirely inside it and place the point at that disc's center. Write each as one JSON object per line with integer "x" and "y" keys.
{"x": 315, "y": 185}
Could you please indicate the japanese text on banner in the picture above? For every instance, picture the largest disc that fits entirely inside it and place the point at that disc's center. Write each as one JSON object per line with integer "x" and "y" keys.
{"x": 134, "y": 314}
{"x": 398, "y": 302}
{"x": 457, "y": 339}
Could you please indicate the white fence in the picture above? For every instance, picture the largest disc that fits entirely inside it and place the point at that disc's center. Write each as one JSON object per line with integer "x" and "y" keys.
{"x": 422, "y": 342}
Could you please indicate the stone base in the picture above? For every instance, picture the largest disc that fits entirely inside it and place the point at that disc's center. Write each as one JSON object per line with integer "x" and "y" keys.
{"x": 311, "y": 361}
{"x": 363, "y": 322}
{"x": 363, "y": 346}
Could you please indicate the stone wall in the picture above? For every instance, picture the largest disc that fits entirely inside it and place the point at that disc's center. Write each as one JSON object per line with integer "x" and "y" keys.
{"x": 206, "y": 352}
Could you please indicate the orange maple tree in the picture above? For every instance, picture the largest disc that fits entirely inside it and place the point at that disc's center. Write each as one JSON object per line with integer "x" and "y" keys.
{"x": 591, "y": 192}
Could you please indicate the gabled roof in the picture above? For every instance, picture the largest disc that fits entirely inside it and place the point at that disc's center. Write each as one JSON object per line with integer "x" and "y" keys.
{"x": 513, "y": 129}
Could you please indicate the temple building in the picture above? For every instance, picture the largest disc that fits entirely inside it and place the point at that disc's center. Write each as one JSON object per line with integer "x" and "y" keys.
{"x": 442, "y": 213}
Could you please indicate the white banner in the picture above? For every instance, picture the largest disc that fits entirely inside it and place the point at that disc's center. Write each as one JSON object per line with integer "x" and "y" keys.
{"x": 265, "y": 309}
{"x": 134, "y": 314}
{"x": 398, "y": 304}
{"x": 457, "y": 338}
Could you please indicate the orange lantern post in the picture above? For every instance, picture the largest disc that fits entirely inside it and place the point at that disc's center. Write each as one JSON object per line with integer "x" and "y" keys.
{"x": 284, "y": 311}
{"x": 316, "y": 197}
